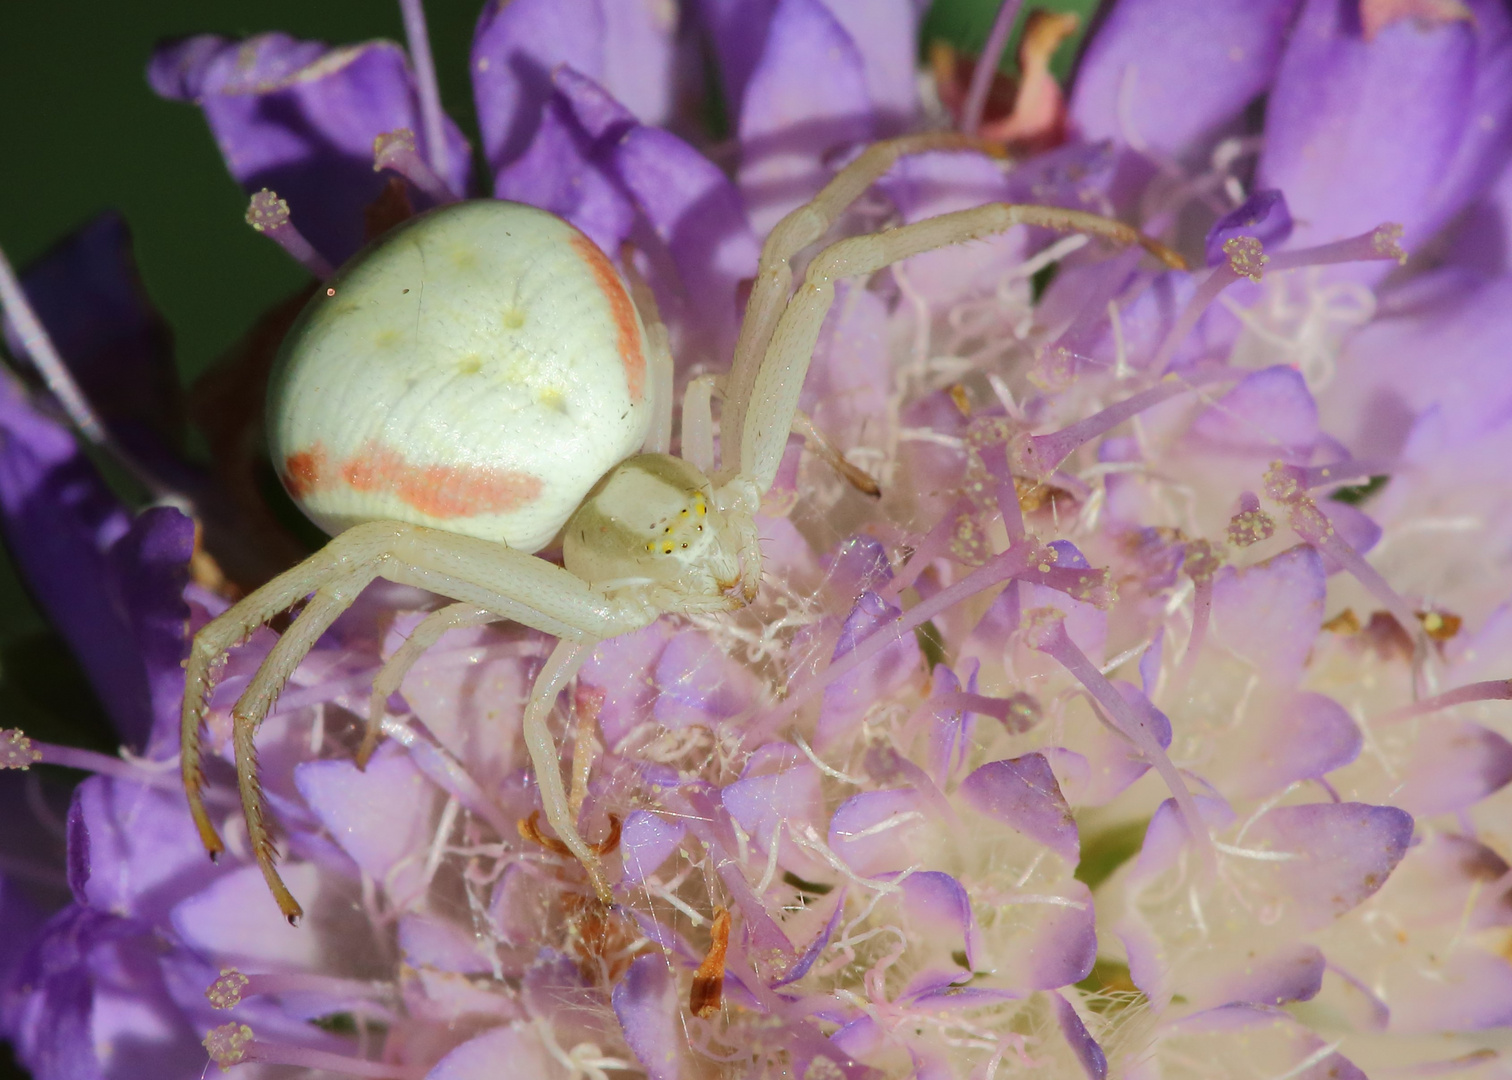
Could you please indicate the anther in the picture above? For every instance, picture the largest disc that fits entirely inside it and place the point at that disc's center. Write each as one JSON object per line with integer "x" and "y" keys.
{"x": 269, "y": 215}
{"x": 1246, "y": 257}
{"x": 17, "y": 751}
{"x": 707, "y": 991}
{"x": 1251, "y": 524}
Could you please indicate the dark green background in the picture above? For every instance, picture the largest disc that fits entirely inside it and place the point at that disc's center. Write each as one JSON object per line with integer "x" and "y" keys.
{"x": 82, "y": 132}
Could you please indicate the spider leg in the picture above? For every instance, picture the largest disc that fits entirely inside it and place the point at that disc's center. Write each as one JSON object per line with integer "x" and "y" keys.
{"x": 329, "y": 601}
{"x": 208, "y": 653}
{"x": 396, "y": 667}
{"x": 698, "y": 424}
{"x": 510, "y": 584}
{"x": 561, "y": 666}
{"x": 698, "y": 435}
{"x": 658, "y": 356}
{"x": 774, "y": 276}
{"x": 774, "y": 393}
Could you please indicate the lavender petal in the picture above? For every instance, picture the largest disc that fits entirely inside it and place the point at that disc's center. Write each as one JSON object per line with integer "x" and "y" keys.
{"x": 1270, "y": 413}
{"x": 1022, "y": 793}
{"x": 300, "y": 119}
{"x": 1338, "y": 854}
{"x": 646, "y": 842}
{"x": 1300, "y": 737}
{"x": 645, "y": 1001}
{"x": 1161, "y": 75}
{"x": 1270, "y": 613}
{"x": 378, "y": 815}
{"x": 806, "y": 99}
{"x": 1357, "y": 132}
{"x": 857, "y": 836}
{"x": 1455, "y": 766}
{"x": 1088, "y": 1054}
{"x": 479, "y": 1057}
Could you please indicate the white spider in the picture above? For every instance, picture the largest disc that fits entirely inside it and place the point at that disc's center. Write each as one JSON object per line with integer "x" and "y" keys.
{"x": 476, "y": 385}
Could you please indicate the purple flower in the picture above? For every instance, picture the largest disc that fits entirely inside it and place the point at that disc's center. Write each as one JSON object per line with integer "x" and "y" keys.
{"x": 1148, "y": 722}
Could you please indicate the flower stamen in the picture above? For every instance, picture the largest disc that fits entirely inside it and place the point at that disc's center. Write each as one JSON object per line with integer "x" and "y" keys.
{"x": 18, "y": 751}
{"x": 269, "y": 215}
{"x": 432, "y": 119}
{"x": 39, "y": 348}
{"x": 1490, "y": 690}
{"x": 234, "y": 1044}
{"x": 395, "y": 150}
{"x": 1046, "y": 631}
{"x": 1285, "y": 484}
{"x": 1381, "y": 244}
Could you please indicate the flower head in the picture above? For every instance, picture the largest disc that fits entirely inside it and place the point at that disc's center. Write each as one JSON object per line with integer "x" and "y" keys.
{"x": 1142, "y": 723}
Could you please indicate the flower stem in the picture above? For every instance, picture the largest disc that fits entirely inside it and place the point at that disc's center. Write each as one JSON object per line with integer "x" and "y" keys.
{"x": 431, "y": 118}
{"x": 1051, "y": 638}
{"x": 987, "y": 65}
{"x": 1490, "y": 690}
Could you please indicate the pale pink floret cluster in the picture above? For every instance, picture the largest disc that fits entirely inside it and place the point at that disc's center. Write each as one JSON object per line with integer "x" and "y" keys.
{"x": 895, "y": 809}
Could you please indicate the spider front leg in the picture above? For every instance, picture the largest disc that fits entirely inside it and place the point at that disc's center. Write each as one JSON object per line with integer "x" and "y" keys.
{"x": 509, "y": 584}
{"x": 797, "y": 230}
{"x": 775, "y": 389}
{"x": 212, "y": 643}
{"x": 698, "y": 435}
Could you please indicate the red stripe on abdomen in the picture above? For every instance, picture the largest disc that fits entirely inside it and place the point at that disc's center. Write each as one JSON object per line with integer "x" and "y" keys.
{"x": 441, "y": 491}
{"x": 627, "y": 339}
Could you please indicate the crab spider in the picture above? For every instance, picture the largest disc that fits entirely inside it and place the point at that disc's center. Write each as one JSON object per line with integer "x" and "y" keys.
{"x": 481, "y": 382}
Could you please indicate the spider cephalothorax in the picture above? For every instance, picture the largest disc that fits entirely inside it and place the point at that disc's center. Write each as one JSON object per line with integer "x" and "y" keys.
{"x": 477, "y": 384}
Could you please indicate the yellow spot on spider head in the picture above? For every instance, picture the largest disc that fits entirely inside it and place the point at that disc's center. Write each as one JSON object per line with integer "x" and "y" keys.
{"x": 514, "y": 318}
{"x": 386, "y": 339}
{"x": 470, "y": 364}
{"x": 552, "y": 398}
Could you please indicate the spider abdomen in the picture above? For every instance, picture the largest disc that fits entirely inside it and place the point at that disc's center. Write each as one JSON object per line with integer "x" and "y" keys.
{"x": 477, "y": 370}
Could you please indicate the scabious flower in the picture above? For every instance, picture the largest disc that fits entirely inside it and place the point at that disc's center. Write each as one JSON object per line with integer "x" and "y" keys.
{"x": 1144, "y": 726}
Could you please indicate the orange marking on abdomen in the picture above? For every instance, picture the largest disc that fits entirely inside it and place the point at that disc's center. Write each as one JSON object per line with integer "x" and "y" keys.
{"x": 442, "y": 491}
{"x": 306, "y": 470}
{"x": 621, "y": 310}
